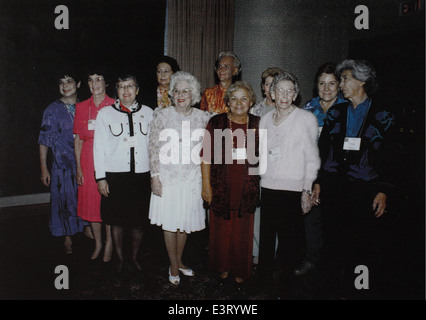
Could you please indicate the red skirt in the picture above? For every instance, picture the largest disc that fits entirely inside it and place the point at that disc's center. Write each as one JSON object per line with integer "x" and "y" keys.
{"x": 231, "y": 244}
{"x": 89, "y": 198}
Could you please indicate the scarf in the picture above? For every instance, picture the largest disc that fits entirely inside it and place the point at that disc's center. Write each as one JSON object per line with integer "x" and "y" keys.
{"x": 119, "y": 106}
{"x": 70, "y": 108}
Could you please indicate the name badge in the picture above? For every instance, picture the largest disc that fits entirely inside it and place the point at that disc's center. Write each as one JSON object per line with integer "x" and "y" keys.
{"x": 319, "y": 131}
{"x": 274, "y": 153}
{"x": 130, "y": 142}
{"x": 91, "y": 124}
{"x": 239, "y": 154}
{"x": 353, "y": 144}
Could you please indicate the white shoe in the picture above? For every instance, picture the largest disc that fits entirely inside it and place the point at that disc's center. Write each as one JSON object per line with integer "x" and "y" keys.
{"x": 174, "y": 279}
{"x": 187, "y": 272}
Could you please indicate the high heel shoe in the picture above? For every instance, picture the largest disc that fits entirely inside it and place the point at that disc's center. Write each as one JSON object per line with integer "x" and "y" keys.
{"x": 187, "y": 272}
{"x": 174, "y": 279}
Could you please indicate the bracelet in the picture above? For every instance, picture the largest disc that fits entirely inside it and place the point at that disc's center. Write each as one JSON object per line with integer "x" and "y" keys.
{"x": 307, "y": 191}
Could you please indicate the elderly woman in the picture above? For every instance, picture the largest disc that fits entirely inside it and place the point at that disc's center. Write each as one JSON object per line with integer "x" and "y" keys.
{"x": 355, "y": 173}
{"x": 259, "y": 109}
{"x": 228, "y": 69}
{"x": 89, "y": 199}
{"x": 165, "y": 67}
{"x": 327, "y": 87}
{"x": 56, "y": 133}
{"x": 267, "y": 104}
{"x": 289, "y": 163}
{"x": 229, "y": 185}
{"x": 122, "y": 166}
{"x": 176, "y": 203}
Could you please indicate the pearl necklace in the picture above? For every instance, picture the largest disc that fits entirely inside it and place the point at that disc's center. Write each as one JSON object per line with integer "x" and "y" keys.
{"x": 285, "y": 115}
{"x": 232, "y": 135}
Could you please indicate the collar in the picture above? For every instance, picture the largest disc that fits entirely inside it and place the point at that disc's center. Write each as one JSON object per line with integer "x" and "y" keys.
{"x": 362, "y": 107}
{"x": 133, "y": 108}
{"x": 103, "y": 102}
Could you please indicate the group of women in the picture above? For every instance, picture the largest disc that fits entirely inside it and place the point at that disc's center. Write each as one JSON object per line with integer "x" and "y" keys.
{"x": 259, "y": 171}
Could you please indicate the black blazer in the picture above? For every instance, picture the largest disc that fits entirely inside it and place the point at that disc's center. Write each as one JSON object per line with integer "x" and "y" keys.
{"x": 372, "y": 164}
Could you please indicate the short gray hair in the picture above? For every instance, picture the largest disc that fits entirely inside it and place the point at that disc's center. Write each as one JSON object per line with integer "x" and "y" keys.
{"x": 362, "y": 71}
{"x": 236, "y": 86}
{"x": 285, "y": 76}
{"x": 237, "y": 62}
{"x": 192, "y": 82}
{"x": 126, "y": 77}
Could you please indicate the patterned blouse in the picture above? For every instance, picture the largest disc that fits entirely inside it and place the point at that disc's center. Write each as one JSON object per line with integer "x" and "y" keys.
{"x": 173, "y": 143}
{"x": 212, "y": 100}
{"x": 163, "y": 99}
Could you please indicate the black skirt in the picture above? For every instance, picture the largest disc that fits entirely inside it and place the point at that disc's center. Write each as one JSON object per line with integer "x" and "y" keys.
{"x": 127, "y": 204}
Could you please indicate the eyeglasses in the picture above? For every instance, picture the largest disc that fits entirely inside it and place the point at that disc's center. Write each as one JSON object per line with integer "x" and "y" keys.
{"x": 224, "y": 66}
{"x": 124, "y": 87}
{"x": 184, "y": 92}
{"x": 288, "y": 92}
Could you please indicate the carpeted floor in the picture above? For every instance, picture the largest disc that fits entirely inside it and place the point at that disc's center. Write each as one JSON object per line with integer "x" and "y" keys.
{"x": 29, "y": 256}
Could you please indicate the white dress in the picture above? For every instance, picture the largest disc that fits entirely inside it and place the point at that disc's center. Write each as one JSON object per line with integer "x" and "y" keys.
{"x": 174, "y": 148}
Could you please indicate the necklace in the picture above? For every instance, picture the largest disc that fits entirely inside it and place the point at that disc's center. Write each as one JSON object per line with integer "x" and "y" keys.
{"x": 229, "y": 116}
{"x": 232, "y": 132}
{"x": 285, "y": 114}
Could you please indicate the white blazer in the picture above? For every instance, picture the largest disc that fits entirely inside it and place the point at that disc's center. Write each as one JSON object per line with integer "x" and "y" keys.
{"x": 113, "y": 140}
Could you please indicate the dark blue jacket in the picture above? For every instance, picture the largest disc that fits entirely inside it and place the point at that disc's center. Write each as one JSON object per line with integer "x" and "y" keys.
{"x": 372, "y": 164}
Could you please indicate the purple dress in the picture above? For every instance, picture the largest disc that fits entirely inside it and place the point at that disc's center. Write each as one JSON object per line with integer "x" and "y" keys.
{"x": 56, "y": 133}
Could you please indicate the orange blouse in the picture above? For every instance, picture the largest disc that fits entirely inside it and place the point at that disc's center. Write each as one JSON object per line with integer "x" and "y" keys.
{"x": 163, "y": 99}
{"x": 212, "y": 100}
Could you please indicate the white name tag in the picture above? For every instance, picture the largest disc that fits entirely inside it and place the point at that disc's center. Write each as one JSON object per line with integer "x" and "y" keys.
{"x": 239, "y": 154}
{"x": 274, "y": 153}
{"x": 353, "y": 144}
{"x": 91, "y": 124}
{"x": 130, "y": 142}
{"x": 319, "y": 131}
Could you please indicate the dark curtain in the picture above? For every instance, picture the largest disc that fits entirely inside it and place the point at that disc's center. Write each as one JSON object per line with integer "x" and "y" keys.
{"x": 126, "y": 35}
{"x": 197, "y": 32}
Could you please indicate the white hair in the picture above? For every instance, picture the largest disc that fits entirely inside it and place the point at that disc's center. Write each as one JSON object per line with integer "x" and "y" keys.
{"x": 237, "y": 62}
{"x": 362, "y": 71}
{"x": 192, "y": 82}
